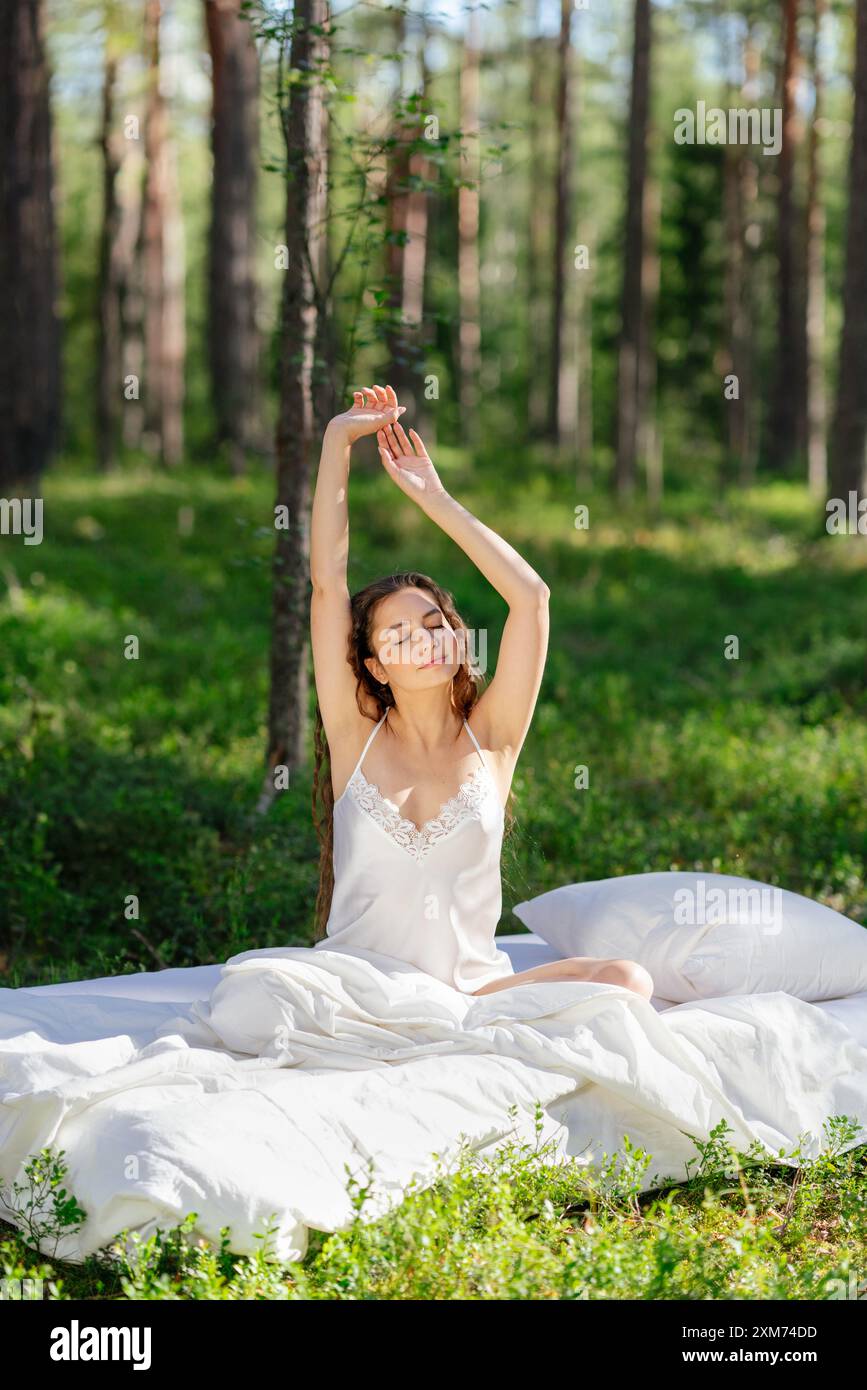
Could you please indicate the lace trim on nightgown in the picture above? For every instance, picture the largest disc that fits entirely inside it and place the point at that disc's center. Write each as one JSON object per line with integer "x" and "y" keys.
{"x": 462, "y": 806}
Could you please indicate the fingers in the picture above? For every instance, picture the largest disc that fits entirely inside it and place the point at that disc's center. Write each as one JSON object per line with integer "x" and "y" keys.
{"x": 381, "y": 403}
{"x": 405, "y": 446}
{"x": 393, "y": 441}
{"x": 419, "y": 443}
{"x": 388, "y": 462}
{"x": 388, "y": 402}
{"x": 381, "y": 399}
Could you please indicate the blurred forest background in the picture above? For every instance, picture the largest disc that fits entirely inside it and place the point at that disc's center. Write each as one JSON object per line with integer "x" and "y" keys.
{"x": 219, "y": 217}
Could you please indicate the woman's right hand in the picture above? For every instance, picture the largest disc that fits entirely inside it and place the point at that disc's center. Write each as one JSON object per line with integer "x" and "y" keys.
{"x": 372, "y": 409}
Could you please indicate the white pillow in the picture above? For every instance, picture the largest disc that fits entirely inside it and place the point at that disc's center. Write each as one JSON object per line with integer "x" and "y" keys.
{"x": 702, "y": 934}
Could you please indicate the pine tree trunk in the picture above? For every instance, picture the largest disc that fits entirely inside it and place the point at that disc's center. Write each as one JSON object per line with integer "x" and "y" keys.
{"x": 739, "y": 195}
{"x": 326, "y": 401}
{"x": 584, "y": 469}
{"x": 469, "y": 291}
{"x": 817, "y": 458}
{"x": 233, "y": 334}
{"x": 632, "y": 345}
{"x": 735, "y": 407}
{"x": 30, "y": 368}
{"x": 537, "y": 401}
{"x": 563, "y": 396}
{"x": 421, "y": 174}
{"x": 396, "y": 216}
{"x": 131, "y": 289}
{"x": 749, "y": 203}
{"x": 109, "y": 349}
{"x": 300, "y": 334}
{"x": 162, "y": 269}
{"x": 849, "y": 434}
{"x": 174, "y": 315}
{"x": 649, "y": 443}
{"x": 789, "y": 388}
{"x": 152, "y": 232}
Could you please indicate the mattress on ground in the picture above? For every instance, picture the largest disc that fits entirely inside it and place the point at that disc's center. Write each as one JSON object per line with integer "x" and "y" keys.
{"x": 245, "y": 1091}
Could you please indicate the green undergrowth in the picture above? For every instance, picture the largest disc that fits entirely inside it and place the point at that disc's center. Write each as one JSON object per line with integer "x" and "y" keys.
{"x": 123, "y": 778}
{"x": 137, "y": 778}
{"x": 522, "y": 1223}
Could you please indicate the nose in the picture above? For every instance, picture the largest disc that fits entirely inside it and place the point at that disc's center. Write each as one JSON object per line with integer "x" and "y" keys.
{"x": 427, "y": 646}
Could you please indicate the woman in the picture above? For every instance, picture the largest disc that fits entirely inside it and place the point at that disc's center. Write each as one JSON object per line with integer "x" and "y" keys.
{"x": 411, "y": 840}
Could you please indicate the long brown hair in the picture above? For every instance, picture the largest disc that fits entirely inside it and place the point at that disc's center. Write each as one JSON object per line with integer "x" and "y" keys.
{"x": 465, "y": 692}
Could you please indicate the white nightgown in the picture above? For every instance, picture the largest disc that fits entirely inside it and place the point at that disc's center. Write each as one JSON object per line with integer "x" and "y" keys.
{"x": 430, "y": 897}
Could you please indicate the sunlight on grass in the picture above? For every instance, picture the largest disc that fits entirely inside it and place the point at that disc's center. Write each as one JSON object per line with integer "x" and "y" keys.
{"x": 753, "y": 765}
{"x": 140, "y": 776}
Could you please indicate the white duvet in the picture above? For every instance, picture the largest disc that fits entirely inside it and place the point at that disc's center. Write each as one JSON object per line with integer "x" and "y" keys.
{"x": 293, "y": 1068}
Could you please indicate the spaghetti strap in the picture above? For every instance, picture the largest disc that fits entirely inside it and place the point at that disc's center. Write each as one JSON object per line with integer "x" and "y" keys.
{"x": 476, "y": 742}
{"x": 370, "y": 739}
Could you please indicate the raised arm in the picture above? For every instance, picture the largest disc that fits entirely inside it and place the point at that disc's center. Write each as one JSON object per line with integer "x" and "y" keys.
{"x": 506, "y": 705}
{"x": 330, "y": 616}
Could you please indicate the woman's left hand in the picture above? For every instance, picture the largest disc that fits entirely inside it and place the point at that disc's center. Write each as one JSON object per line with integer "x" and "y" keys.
{"x": 407, "y": 463}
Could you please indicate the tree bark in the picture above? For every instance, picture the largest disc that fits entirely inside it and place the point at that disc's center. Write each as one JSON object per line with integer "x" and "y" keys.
{"x": 849, "y": 434}
{"x": 30, "y": 366}
{"x": 633, "y": 346}
{"x": 233, "y": 334}
{"x": 469, "y": 291}
{"x": 817, "y": 458}
{"x": 537, "y": 402}
{"x": 109, "y": 351}
{"x": 785, "y": 433}
{"x": 649, "y": 442}
{"x": 584, "y": 466}
{"x": 174, "y": 315}
{"x": 162, "y": 268}
{"x": 300, "y": 333}
{"x": 131, "y": 288}
{"x": 740, "y": 194}
{"x": 562, "y": 400}
{"x": 152, "y": 232}
{"x": 396, "y": 216}
{"x": 421, "y": 174}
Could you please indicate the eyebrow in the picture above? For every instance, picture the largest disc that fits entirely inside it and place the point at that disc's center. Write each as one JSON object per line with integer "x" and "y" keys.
{"x": 431, "y": 612}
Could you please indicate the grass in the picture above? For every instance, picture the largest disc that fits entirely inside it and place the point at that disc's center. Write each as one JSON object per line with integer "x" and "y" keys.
{"x": 521, "y": 1227}
{"x": 122, "y": 778}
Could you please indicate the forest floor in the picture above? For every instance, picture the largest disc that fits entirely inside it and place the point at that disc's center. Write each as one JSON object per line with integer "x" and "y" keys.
{"x": 139, "y": 776}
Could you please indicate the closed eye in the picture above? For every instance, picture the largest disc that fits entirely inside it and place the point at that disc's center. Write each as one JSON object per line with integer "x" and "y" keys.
{"x": 435, "y": 627}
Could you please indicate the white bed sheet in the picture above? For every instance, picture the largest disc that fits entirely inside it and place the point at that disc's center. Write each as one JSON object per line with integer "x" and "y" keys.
{"x": 240, "y": 1093}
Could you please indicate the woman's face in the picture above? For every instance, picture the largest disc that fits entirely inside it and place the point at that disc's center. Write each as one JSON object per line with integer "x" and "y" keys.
{"x": 415, "y": 645}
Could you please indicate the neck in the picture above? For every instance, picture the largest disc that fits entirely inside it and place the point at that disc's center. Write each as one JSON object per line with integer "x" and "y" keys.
{"x": 426, "y": 719}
